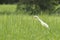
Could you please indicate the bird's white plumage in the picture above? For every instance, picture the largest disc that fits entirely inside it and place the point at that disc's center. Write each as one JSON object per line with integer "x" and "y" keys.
{"x": 42, "y": 22}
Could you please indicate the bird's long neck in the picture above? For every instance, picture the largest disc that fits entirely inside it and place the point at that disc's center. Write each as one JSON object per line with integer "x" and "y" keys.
{"x": 39, "y": 19}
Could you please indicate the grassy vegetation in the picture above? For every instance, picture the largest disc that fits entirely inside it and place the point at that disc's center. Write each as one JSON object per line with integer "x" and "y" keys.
{"x": 26, "y": 27}
{"x": 7, "y": 8}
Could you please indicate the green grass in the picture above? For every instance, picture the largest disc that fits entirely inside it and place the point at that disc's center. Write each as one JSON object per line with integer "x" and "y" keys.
{"x": 7, "y": 8}
{"x": 26, "y": 27}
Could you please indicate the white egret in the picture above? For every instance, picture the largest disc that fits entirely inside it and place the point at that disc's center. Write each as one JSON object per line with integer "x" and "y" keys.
{"x": 42, "y": 22}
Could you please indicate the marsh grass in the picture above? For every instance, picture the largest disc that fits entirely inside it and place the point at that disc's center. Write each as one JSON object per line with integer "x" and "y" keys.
{"x": 26, "y": 27}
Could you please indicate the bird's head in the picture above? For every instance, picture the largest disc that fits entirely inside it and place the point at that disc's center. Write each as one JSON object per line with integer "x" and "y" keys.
{"x": 36, "y": 16}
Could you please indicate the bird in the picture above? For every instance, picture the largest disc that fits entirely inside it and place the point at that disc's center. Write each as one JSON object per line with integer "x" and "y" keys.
{"x": 42, "y": 22}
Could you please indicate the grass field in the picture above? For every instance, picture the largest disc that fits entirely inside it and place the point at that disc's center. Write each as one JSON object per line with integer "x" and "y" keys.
{"x": 7, "y": 8}
{"x": 26, "y": 27}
